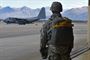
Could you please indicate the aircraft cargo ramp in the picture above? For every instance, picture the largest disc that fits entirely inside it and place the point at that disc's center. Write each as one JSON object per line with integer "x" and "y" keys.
{"x": 84, "y": 56}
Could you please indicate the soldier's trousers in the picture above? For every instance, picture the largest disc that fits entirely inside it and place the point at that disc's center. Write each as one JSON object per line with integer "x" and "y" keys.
{"x": 59, "y": 53}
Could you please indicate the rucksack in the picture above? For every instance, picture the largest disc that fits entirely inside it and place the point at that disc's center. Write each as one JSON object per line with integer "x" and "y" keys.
{"x": 62, "y": 32}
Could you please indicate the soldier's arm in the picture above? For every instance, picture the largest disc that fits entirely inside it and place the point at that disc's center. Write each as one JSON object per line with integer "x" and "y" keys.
{"x": 43, "y": 42}
{"x": 43, "y": 38}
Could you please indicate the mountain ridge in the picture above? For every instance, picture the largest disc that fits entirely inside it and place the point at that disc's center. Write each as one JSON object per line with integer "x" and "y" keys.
{"x": 26, "y": 12}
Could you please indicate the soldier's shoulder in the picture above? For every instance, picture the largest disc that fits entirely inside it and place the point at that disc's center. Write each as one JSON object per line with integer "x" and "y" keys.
{"x": 66, "y": 18}
{"x": 63, "y": 18}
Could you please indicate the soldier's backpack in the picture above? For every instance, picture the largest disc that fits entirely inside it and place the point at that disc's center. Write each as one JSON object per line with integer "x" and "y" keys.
{"x": 62, "y": 32}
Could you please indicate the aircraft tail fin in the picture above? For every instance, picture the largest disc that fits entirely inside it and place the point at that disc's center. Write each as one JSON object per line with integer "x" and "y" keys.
{"x": 42, "y": 13}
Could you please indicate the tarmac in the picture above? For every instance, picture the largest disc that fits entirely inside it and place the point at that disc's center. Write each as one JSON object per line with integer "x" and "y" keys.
{"x": 26, "y": 48}
{"x": 22, "y": 42}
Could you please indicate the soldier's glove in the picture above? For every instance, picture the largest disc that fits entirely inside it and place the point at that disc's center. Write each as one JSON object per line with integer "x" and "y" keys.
{"x": 44, "y": 52}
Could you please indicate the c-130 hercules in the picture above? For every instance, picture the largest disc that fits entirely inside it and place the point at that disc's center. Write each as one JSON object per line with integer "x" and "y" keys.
{"x": 23, "y": 21}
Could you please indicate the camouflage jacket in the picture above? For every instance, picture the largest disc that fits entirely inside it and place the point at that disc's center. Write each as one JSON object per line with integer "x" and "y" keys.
{"x": 45, "y": 36}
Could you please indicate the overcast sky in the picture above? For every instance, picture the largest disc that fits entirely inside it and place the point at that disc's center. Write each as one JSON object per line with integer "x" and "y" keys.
{"x": 67, "y": 4}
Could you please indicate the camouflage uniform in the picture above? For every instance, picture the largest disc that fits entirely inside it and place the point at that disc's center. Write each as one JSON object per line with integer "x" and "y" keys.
{"x": 59, "y": 41}
{"x": 59, "y": 45}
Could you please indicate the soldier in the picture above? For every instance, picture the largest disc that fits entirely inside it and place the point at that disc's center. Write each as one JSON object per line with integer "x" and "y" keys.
{"x": 58, "y": 35}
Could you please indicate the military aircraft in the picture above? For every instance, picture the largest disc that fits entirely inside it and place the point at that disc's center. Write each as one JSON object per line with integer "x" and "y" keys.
{"x": 21, "y": 21}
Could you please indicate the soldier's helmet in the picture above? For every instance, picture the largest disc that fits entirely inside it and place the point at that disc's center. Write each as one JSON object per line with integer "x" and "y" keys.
{"x": 56, "y": 7}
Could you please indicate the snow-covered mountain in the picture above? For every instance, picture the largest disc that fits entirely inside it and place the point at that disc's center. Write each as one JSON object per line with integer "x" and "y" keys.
{"x": 26, "y": 12}
{"x": 23, "y": 12}
{"x": 6, "y": 10}
{"x": 77, "y": 13}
